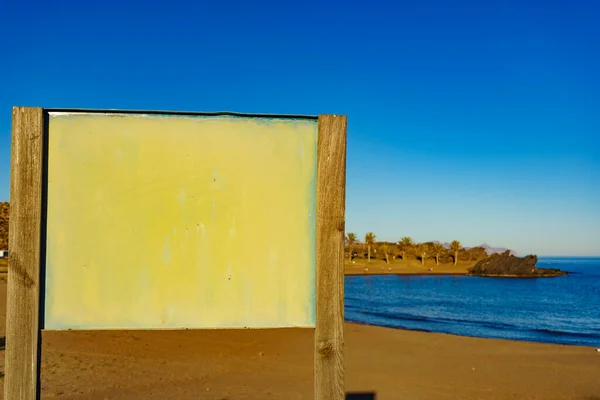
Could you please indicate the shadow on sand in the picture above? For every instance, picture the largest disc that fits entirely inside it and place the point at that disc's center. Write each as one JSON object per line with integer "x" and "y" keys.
{"x": 361, "y": 396}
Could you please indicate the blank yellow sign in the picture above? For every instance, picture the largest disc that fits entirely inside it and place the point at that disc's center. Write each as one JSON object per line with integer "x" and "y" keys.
{"x": 174, "y": 221}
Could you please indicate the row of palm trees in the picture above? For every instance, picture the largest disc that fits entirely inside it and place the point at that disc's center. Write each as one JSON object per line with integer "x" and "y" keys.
{"x": 406, "y": 245}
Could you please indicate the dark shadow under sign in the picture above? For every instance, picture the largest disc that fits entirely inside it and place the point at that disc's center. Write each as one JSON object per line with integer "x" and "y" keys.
{"x": 361, "y": 396}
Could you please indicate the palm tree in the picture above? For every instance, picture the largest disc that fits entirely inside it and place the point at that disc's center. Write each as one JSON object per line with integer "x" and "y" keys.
{"x": 421, "y": 250}
{"x": 437, "y": 249}
{"x": 351, "y": 240}
{"x": 369, "y": 241}
{"x": 405, "y": 245}
{"x": 455, "y": 246}
{"x": 386, "y": 250}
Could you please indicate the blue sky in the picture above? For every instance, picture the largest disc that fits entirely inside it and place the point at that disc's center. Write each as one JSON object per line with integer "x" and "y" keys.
{"x": 469, "y": 120}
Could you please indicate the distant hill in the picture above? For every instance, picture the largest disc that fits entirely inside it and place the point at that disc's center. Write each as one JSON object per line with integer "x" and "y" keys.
{"x": 493, "y": 250}
{"x": 497, "y": 250}
{"x": 488, "y": 249}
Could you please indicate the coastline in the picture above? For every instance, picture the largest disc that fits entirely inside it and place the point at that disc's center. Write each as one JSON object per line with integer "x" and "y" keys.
{"x": 414, "y": 267}
{"x": 517, "y": 276}
{"x": 404, "y": 273}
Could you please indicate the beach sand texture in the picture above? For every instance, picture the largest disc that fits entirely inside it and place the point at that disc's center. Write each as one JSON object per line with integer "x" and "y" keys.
{"x": 278, "y": 364}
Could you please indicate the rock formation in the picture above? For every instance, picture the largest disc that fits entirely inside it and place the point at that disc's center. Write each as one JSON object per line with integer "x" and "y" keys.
{"x": 507, "y": 265}
{"x": 4, "y": 213}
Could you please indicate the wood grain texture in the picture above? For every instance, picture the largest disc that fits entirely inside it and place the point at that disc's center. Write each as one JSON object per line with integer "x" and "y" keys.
{"x": 331, "y": 207}
{"x": 22, "y": 320}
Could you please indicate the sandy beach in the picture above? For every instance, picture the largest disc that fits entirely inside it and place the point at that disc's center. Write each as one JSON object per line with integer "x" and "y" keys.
{"x": 277, "y": 364}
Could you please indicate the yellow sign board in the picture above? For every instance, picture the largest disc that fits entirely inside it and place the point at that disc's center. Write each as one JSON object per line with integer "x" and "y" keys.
{"x": 176, "y": 221}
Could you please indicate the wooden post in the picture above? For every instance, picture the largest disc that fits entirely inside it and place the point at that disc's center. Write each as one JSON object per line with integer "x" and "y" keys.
{"x": 21, "y": 381}
{"x": 331, "y": 207}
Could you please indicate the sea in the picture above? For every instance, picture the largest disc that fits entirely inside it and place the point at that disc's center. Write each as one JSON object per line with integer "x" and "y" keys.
{"x": 564, "y": 310}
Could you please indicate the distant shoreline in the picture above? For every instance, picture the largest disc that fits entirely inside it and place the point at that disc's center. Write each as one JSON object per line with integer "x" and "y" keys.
{"x": 519, "y": 276}
{"x": 412, "y": 267}
{"x": 474, "y": 336}
{"x": 405, "y": 267}
{"x": 357, "y": 273}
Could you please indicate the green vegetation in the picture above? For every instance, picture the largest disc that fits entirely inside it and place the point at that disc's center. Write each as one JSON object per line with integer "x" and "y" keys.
{"x": 437, "y": 250}
{"x": 455, "y": 247}
{"x": 351, "y": 239}
{"x": 386, "y": 250}
{"x": 407, "y": 249}
{"x": 421, "y": 250}
{"x": 405, "y": 245}
{"x": 369, "y": 241}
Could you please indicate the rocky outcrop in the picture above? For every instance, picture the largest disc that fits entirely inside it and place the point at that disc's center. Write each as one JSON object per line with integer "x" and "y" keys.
{"x": 507, "y": 265}
{"x": 4, "y": 213}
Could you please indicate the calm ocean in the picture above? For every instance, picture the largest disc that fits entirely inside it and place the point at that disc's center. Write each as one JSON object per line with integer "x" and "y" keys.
{"x": 554, "y": 310}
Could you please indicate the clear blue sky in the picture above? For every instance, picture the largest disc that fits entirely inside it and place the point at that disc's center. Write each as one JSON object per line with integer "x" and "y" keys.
{"x": 470, "y": 120}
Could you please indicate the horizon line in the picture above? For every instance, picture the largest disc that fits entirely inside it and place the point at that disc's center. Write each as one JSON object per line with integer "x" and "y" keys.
{"x": 594, "y": 256}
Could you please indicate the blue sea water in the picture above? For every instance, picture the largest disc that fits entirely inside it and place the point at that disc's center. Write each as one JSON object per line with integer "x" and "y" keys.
{"x": 562, "y": 310}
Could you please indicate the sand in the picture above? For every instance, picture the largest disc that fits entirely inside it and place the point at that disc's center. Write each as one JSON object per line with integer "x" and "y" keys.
{"x": 277, "y": 364}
